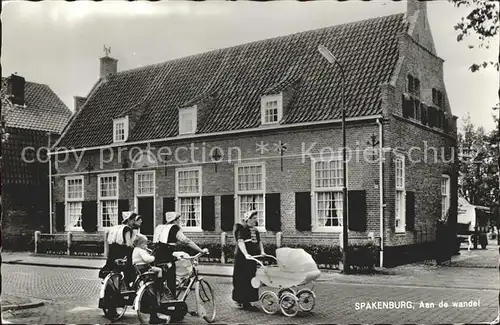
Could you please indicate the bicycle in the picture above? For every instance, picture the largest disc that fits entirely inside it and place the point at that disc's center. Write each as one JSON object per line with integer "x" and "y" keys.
{"x": 147, "y": 293}
{"x": 116, "y": 295}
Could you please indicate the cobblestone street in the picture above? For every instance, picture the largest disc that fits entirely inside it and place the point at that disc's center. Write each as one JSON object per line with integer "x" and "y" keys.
{"x": 70, "y": 296}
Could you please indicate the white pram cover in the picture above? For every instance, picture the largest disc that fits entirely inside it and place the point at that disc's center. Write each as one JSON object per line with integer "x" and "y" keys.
{"x": 295, "y": 260}
{"x": 182, "y": 267}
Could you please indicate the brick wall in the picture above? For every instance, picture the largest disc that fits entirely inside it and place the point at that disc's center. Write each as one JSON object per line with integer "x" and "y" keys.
{"x": 417, "y": 57}
{"x": 295, "y": 177}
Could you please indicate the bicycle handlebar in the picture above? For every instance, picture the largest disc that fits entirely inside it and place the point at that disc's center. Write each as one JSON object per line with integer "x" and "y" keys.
{"x": 254, "y": 258}
{"x": 194, "y": 257}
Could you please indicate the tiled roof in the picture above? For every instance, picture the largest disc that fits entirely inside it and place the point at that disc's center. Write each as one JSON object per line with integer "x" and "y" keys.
{"x": 240, "y": 75}
{"x": 44, "y": 110}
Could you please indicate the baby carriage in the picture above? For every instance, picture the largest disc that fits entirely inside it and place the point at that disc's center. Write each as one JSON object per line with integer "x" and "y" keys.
{"x": 295, "y": 267}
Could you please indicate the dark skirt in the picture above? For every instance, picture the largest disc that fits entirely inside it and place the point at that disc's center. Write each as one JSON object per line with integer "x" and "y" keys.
{"x": 244, "y": 271}
{"x": 164, "y": 254}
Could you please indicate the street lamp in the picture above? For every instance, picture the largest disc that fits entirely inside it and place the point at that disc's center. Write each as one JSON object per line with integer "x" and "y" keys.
{"x": 345, "y": 240}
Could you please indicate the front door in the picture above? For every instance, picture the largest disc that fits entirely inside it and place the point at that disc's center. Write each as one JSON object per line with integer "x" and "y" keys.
{"x": 146, "y": 210}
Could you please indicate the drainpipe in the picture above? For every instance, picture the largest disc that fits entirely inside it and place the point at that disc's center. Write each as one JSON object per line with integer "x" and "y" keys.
{"x": 381, "y": 187}
{"x": 50, "y": 188}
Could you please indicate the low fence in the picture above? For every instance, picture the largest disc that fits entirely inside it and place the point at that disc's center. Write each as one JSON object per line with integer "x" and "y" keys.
{"x": 364, "y": 251}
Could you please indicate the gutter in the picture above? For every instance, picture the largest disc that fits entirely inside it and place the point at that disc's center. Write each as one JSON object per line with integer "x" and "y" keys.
{"x": 381, "y": 187}
{"x": 221, "y": 133}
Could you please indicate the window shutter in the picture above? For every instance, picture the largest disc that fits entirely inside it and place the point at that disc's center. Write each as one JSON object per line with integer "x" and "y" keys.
{"x": 431, "y": 116}
{"x": 89, "y": 216}
{"x": 410, "y": 210}
{"x": 208, "y": 213}
{"x": 168, "y": 206}
{"x": 60, "y": 216}
{"x": 407, "y": 106}
{"x": 303, "y": 211}
{"x": 357, "y": 210}
{"x": 123, "y": 205}
{"x": 227, "y": 212}
{"x": 423, "y": 113}
{"x": 441, "y": 119}
{"x": 273, "y": 212}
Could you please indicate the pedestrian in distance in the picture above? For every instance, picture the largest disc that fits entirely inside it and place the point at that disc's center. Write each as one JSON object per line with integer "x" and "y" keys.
{"x": 248, "y": 244}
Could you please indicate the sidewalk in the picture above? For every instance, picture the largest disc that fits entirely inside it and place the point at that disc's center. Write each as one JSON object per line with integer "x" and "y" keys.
{"x": 416, "y": 275}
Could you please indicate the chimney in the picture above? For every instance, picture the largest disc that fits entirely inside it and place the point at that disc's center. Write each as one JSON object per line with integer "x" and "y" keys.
{"x": 79, "y": 101}
{"x": 109, "y": 66}
{"x": 413, "y": 6}
{"x": 15, "y": 88}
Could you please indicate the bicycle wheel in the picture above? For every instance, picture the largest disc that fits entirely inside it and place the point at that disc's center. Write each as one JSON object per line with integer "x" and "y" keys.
{"x": 147, "y": 297}
{"x": 115, "y": 307}
{"x": 207, "y": 301}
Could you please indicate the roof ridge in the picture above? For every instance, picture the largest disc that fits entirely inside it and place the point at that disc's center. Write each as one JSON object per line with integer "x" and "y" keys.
{"x": 227, "y": 48}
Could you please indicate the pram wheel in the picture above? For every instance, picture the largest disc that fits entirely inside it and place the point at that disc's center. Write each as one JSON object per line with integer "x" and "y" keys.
{"x": 282, "y": 291}
{"x": 269, "y": 302}
{"x": 307, "y": 299}
{"x": 289, "y": 304}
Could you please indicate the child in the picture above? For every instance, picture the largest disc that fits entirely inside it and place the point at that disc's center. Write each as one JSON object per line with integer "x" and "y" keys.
{"x": 141, "y": 258}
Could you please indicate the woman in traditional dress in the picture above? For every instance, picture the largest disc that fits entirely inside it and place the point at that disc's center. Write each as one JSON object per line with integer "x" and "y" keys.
{"x": 248, "y": 244}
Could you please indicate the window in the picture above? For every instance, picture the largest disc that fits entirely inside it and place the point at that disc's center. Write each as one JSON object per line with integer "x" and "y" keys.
{"x": 327, "y": 183}
{"x": 120, "y": 129}
{"x": 250, "y": 189}
{"x": 188, "y": 195}
{"x": 145, "y": 183}
{"x": 413, "y": 89}
{"x": 187, "y": 120}
{"x": 445, "y": 195}
{"x": 272, "y": 109}
{"x": 74, "y": 201}
{"x": 108, "y": 200}
{"x": 399, "y": 163}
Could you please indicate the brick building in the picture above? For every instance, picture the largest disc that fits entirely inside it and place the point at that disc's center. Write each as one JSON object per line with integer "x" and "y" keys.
{"x": 258, "y": 126}
{"x": 34, "y": 116}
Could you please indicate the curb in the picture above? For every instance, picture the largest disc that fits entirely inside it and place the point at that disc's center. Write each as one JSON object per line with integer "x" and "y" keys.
{"x": 23, "y": 306}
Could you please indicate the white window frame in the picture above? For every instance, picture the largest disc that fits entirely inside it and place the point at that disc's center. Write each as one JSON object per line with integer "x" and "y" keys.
{"x": 316, "y": 190}
{"x": 238, "y": 213}
{"x": 116, "y": 122}
{"x": 68, "y": 201}
{"x": 445, "y": 196}
{"x": 400, "y": 188}
{"x": 271, "y": 98}
{"x": 100, "y": 198}
{"x": 188, "y": 112}
{"x": 137, "y": 195}
{"x": 179, "y": 196}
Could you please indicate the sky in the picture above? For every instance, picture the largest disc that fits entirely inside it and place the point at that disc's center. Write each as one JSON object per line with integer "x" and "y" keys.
{"x": 59, "y": 43}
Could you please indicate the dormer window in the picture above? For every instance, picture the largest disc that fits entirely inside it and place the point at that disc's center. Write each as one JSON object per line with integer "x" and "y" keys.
{"x": 120, "y": 129}
{"x": 187, "y": 120}
{"x": 272, "y": 109}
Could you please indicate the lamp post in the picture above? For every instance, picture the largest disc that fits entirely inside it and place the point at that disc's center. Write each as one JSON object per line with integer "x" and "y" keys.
{"x": 345, "y": 240}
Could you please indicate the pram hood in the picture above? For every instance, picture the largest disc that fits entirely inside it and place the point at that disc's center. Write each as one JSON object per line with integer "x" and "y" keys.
{"x": 295, "y": 260}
